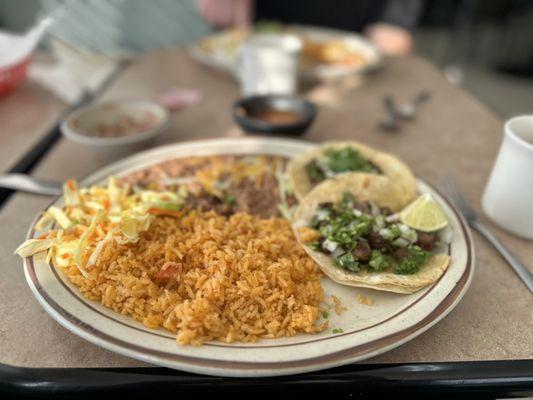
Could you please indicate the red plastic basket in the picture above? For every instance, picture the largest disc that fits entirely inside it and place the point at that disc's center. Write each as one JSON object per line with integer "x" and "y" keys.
{"x": 12, "y": 76}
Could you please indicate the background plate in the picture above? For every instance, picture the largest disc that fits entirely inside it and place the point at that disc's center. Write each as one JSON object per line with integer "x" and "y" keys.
{"x": 225, "y": 60}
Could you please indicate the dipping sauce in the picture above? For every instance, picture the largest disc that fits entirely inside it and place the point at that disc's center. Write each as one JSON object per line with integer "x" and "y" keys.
{"x": 276, "y": 117}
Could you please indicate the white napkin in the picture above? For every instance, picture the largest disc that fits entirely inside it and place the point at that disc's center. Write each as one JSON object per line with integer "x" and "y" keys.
{"x": 14, "y": 48}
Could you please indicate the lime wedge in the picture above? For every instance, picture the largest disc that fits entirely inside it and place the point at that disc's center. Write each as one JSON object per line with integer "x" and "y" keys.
{"x": 424, "y": 214}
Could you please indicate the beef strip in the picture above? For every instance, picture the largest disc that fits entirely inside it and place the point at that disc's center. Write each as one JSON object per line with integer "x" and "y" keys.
{"x": 364, "y": 207}
{"x": 401, "y": 253}
{"x": 427, "y": 241}
{"x": 362, "y": 251}
{"x": 262, "y": 201}
{"x": 206, "y": 202}
{"x": 377, "y": 241}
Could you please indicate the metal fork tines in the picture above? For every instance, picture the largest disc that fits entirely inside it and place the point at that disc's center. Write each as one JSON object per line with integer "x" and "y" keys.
{"x": 451, "y": 188}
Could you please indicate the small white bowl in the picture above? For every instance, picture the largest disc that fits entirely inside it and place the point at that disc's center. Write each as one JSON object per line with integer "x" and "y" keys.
{"x": 79, "y": 125}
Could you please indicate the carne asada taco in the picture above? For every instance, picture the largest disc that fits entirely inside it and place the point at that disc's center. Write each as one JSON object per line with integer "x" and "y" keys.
{"x": 380, "y": 171}
{"x": 357, "y": 241}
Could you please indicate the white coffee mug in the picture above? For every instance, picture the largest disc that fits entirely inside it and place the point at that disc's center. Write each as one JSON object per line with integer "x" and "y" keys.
{"x": 267, "y": 63}
{"x": 508, "y": 197}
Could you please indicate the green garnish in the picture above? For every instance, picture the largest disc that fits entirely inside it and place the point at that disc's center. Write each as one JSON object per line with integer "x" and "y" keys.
{"x": 378, "y": 261}
{"x": 168, "y": 206}
{"x": 325, "y": 314}
{"x": 336, "y": 161}
{"x": 337, "y": 330}
{"x": 411, "y": 264}
{"x": 349, "y": 262}
{"x": 348, "y": 159}
{"x": 315, "y": 245}
{"x": 314, "y": 172}
{"x": 229, "y": 200}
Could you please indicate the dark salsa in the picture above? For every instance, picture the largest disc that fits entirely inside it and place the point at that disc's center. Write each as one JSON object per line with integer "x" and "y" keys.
{"x": 362, "y": 237}
{"x": 226, "y": 184}
{"x": 336, "y": 161}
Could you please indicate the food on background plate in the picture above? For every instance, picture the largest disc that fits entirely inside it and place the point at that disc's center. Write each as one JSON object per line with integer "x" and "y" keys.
{"x": 162, "y": 260}
{"x": 361, "y": 242}
{"x": 374, "y": 173}
{"x": 335, "y": 51}
{"x": 332, "y": 51}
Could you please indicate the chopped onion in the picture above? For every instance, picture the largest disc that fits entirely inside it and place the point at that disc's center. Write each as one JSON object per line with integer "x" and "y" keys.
{"x": 400, "y": 242}
{"x": 337, "y": 252}
{"x": 385, "y": 233}
{"x": 392, "y": 218}
{"x": 322, "y": 215}
{"x": 330, "y": 245}
{"x": 446, "y": 235}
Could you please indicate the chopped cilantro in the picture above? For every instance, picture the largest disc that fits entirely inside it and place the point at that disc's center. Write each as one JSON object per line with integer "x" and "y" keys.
{"x": 315, "y": 245}
{"x": 347, "y": 159}
{"x": 336, "y": 161}
{"x": 314, "y": 172}
{"x": 378, "y": 261}
{"x": 168, "y": 206}
{"x": 349, "y": 262}
{"x": 229, "y": 200}
{"x": 325, "y": 314}
{"x": 411, "y": 264}
{"x": 337, "y": 330}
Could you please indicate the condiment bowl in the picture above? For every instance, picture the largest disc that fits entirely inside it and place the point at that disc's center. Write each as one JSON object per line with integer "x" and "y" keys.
{"x": 119, "y": 124}
{"x": 274, "y": 114}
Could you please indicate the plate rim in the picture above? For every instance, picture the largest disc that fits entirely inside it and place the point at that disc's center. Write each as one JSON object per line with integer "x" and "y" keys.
{"x": 241, "y": 368}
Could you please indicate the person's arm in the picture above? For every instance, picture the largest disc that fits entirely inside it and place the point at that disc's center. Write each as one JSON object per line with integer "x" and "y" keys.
{"x": 226, "y": 13}
{"x": 392, "y": 34}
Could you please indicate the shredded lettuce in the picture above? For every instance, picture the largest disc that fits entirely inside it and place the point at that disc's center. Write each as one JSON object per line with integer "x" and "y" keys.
{"x": 34, "y": 246}
{"x": 284, "y": 189}
{"x": 93, "y": 258}
{"x": 71, "y": 195}
{"x": 60, "y": 217}
{"x": 83, "y": 242}
{"x": 45, "y": 222}
{"x": 115, "y": 194}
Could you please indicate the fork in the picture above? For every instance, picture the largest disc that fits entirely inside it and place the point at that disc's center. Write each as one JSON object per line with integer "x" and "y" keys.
{"x": 451, "y": 188}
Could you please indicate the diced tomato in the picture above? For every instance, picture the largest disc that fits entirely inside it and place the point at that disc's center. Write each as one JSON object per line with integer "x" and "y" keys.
{"x": 160, "y": 211}
{"x": 169, "y": 270}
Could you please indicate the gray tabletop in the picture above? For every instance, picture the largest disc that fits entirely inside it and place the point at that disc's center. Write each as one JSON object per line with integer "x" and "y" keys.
{"x": 453, "y": 134}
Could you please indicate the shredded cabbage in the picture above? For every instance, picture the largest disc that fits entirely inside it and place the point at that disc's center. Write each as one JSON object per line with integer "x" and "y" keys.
{"x": 60, "y": 217}
{"x": 33, "y": 246}
{"x": 94, "y": 216}
{"x": 71, "y": 195}
{"x": 83, "y": 242}
{"x": 45, "y": 222}
{"x": 93, "y": 258}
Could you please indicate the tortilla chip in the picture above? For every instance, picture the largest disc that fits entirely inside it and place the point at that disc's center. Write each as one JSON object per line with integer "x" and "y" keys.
{"x": 396, "y": 179}
{"x": 373, "y": 191}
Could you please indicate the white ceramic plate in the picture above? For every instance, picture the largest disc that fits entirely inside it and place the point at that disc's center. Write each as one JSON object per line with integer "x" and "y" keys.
{"x": 367, "y": 331}
{"x": 222, "y": 58}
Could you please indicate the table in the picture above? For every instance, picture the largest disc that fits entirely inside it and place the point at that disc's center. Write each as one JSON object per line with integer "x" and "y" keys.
{"x": 453, "y": 134}
{"x": 26, "y": 116}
